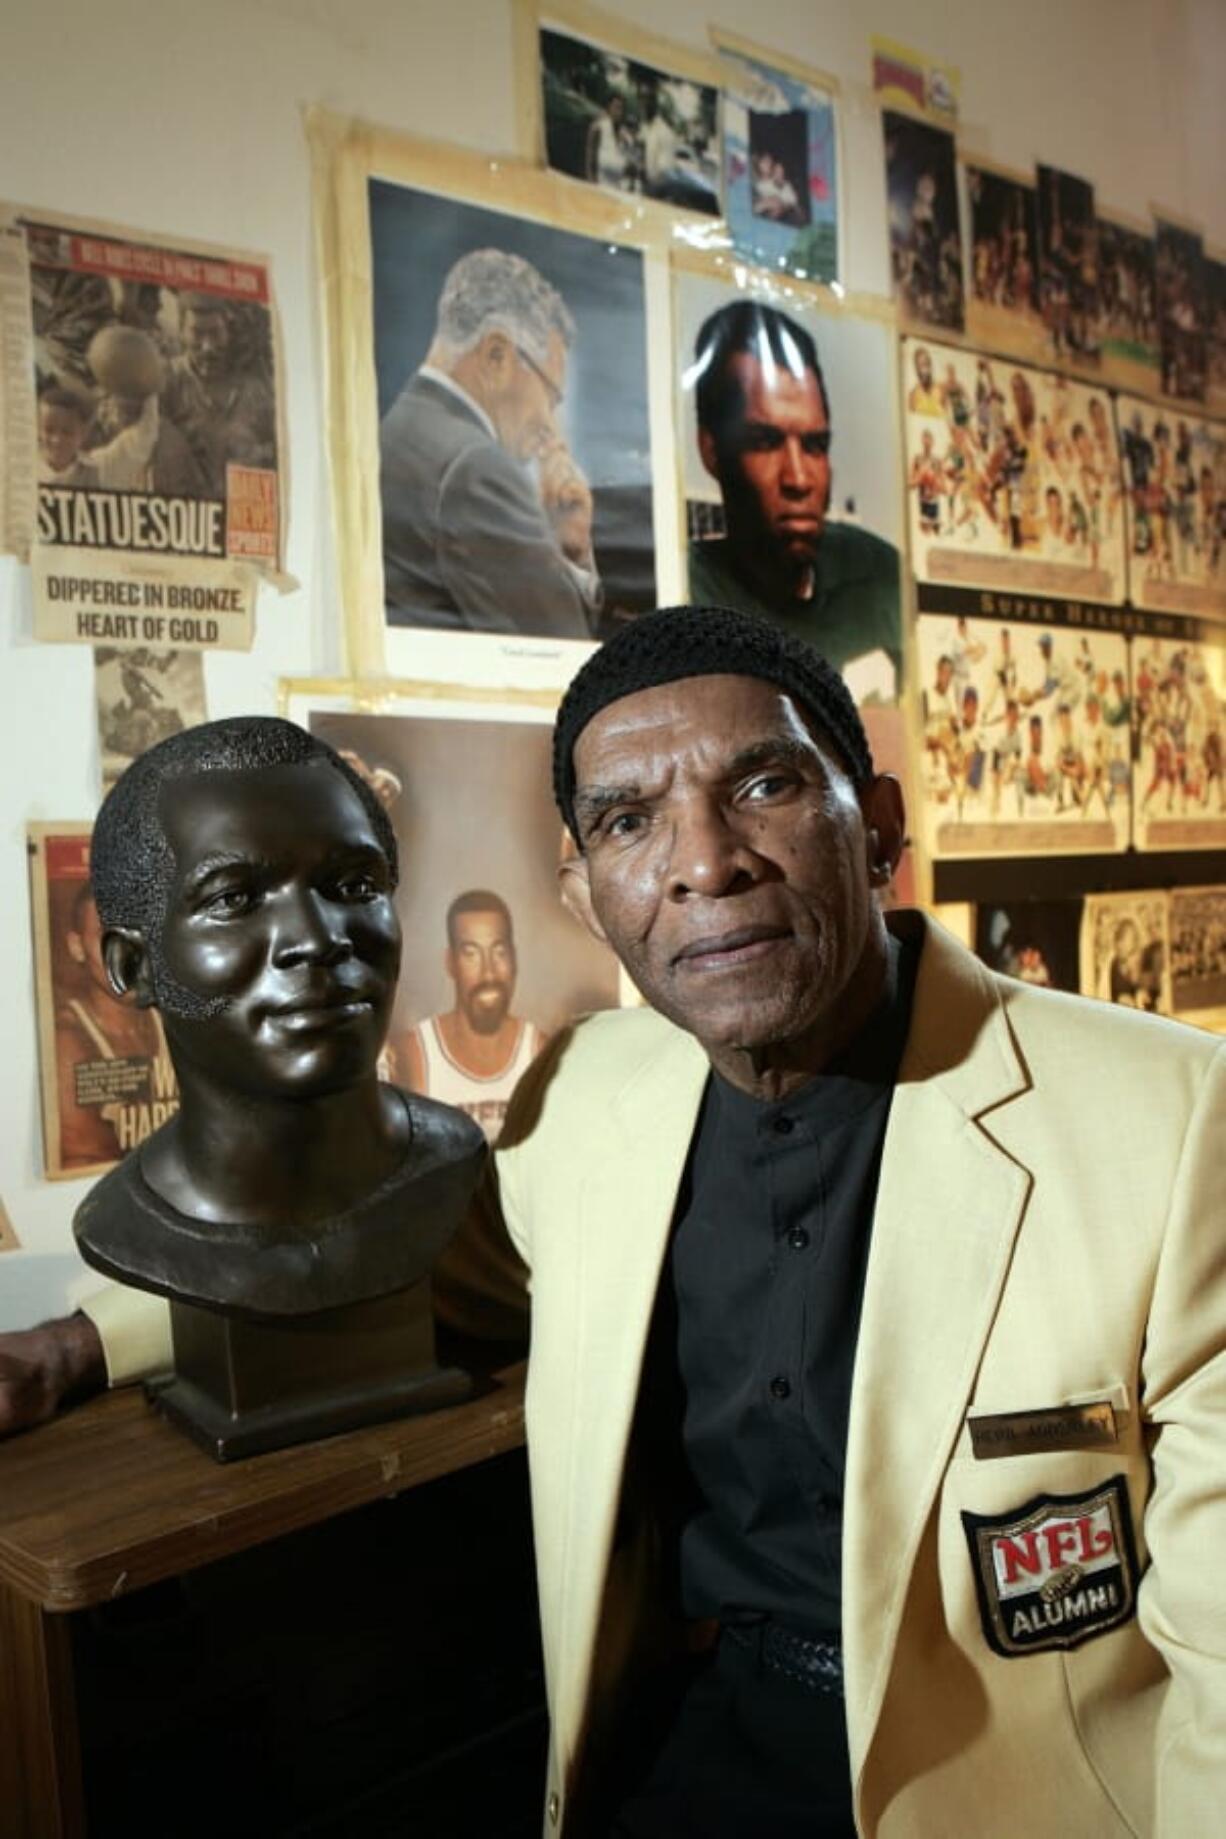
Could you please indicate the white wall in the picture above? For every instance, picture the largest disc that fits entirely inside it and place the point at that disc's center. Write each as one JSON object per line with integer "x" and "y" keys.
{"x": 186, "y": 119}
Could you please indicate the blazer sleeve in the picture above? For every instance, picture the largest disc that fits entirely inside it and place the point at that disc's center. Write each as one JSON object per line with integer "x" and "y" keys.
{"x": 134, "y": 1328}
{"x": 1182, "y": 1600}
{"x": 498, "y": 558}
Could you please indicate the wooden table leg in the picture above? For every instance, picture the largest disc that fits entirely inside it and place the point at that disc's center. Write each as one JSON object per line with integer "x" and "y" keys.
{"x": 40, "y": 1760}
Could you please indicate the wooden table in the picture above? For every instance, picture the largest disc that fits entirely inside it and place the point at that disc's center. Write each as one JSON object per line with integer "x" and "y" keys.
{"x": 109, "y": 1499}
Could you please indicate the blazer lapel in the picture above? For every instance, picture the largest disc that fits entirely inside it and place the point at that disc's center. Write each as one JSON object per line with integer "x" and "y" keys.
{"x": 948, "y": 1207}
{"x": 624, "y": 1214}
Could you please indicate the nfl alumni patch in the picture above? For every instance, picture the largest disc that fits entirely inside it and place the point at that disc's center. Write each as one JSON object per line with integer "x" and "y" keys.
{"x": 1055, "y": 1572}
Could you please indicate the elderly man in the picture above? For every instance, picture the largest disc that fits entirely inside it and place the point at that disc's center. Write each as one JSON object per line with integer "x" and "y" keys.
{"x": 876, "y": 1392}
{"x": 764, "y": 435}
{"x": 487, "y": 518}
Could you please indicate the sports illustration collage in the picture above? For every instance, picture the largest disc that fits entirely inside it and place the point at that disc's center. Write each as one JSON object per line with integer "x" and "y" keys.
{"x": 623, "y": 371}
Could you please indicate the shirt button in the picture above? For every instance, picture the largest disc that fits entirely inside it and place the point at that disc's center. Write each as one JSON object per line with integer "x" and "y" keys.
{"x": 784, "y": 1126}
{"x": 555, "y": 1807}
{"x": 780, "y": 1387}
{"x": 798, "y": 1238}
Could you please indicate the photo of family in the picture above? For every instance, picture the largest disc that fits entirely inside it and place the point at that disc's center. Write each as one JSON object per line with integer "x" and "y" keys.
{"x": 780, "y": 169}
{"x": 626, "y": 126}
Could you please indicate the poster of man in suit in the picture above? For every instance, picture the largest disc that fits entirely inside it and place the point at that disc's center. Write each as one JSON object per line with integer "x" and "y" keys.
{"x": 515, "y": 475}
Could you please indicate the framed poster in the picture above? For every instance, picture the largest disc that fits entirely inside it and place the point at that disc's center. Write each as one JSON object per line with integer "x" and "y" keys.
{"x": 1013, "y": 476}
{"x": 1036, "y": 941}
{"x": 106, "y": 1077}
{"x": 490, "y": 368}
{"x": 493, "y": 963}
{"x": 812, "y": 543}
{"x": 925, "y": 234}
{"x": 1125, "y": 950}
{"x": 1175, "y": 508}
{"x": 1026, "y": 737}
{"x": 1002, "y": 309}
{"x": 781, "y": 162}
{"x": 628, "y": 112}
{"x": 1183, "y": 316}
{"x": 1179, "y": 688}
{"x": 1068, "y": 264}
{"x": 1128, "y": 304}
{"x": 1198, "y": 949}
{"x": 1215, "y": 298}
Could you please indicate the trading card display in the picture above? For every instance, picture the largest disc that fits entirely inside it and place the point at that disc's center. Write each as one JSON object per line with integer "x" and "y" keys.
{"x": 1180, "y": 717}
{"x": 628, "y": 126}
{"x": 1125, "y": 950}
{"x": 143, "y": 696}
{"x": 1175, "y": 508}
{"x": 1128, "y": 298}
{"x": 147, "y": 420}
{"x": 511, "y": 366}
{"x": 1179, "y": 260}
{"x": 1026, "y": 739}
{"x": 1033, "y": 940}
{"x": 1068, "y": 263}
{"x": 1013, "y": 476}
{"x": 925, "y": 237}
{"x": 780, "y": 170}
{"x": 1197, "y": 923}
{"x": 1003, "y": 307}
{"x": 107, "y": 1080}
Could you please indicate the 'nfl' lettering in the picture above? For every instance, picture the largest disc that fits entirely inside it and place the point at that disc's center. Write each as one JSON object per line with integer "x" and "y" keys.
{"x": 1055, "y": 1572}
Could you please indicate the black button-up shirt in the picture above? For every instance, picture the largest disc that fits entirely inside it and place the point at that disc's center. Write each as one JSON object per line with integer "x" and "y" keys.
{"x": 766, "y": 1274}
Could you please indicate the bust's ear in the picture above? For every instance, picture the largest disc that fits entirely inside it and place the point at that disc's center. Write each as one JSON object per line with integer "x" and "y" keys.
{"x": 126, "y": 957}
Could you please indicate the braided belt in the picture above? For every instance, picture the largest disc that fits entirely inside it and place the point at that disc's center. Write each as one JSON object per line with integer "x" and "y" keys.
{"x": 815, "y": 1666}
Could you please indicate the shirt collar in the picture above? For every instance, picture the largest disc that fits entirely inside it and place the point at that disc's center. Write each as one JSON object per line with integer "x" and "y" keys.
{"x": 442, "y": 381}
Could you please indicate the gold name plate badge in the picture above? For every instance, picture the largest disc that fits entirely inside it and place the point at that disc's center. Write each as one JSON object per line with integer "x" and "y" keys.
{"x": 1022, "y": 1433}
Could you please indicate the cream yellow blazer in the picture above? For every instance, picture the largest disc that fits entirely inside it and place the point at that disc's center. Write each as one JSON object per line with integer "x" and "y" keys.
{"x": 1050, "y": 1232}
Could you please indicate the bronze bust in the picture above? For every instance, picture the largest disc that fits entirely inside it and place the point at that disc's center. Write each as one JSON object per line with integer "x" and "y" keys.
{"x": 244, "y": 876}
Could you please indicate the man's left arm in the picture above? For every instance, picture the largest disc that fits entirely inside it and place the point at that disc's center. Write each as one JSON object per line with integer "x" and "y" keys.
{"x": 1182, "y": 1603}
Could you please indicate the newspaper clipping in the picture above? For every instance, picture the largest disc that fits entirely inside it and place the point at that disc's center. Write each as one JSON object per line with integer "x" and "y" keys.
{"x": 143, "y": 697}
{"x": 107, "y": 1080}
{"x": 141, "y": 435}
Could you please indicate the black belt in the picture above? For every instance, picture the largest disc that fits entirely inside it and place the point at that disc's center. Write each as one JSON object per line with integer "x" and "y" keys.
{"x": 815, "y": 1666}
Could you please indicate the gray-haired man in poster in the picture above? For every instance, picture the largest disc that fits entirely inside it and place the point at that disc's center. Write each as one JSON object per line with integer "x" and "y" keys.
{"x": 487, "y": 518}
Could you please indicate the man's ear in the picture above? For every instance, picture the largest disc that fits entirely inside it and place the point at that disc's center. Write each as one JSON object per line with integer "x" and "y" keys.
{"x": 575, "y": 888}
{"x": 708, "y": 452}
{"x": 128, "y": 969}
{"x": 495, "y": 358}
{"x": 885, "y": 827}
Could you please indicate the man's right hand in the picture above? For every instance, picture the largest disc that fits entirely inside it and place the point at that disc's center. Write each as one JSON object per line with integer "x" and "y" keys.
{"x": 43, "y": 1368}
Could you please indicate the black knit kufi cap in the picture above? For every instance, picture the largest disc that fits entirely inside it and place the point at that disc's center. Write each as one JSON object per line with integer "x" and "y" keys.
{"x": 678, "y": 642}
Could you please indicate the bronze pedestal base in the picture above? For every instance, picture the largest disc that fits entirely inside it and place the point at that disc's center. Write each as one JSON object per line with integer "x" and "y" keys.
{"x": 243, "y": 1387}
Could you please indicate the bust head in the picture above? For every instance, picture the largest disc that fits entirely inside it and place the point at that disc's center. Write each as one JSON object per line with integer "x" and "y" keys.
{"x": 244, "y": 876}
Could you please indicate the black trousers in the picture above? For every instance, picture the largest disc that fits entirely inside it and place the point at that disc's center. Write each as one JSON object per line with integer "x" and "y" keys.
{"x": 723, "y": 1748}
